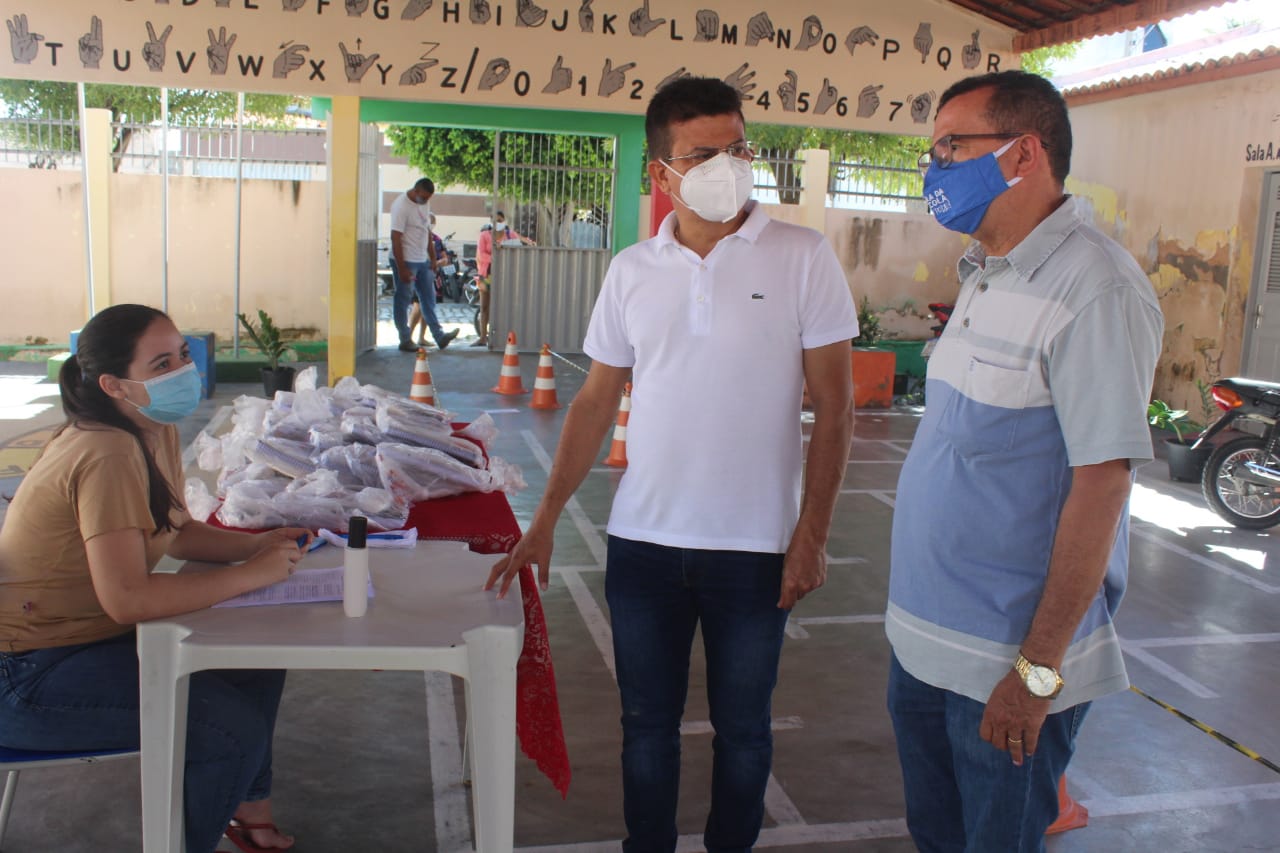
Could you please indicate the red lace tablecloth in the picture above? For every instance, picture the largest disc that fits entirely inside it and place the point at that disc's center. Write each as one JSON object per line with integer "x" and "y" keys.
{"x": 485, "y": 522}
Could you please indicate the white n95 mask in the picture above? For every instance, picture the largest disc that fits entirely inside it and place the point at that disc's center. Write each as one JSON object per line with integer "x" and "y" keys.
{"x": 717, "y": 189}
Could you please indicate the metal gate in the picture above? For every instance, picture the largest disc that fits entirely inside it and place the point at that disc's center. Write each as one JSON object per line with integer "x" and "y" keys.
{"x": 557, "y": 190}
{"x": 368, "y": 205}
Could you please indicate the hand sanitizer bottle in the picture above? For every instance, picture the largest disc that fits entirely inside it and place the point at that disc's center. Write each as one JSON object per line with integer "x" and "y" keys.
{"x": 355, "y": 563}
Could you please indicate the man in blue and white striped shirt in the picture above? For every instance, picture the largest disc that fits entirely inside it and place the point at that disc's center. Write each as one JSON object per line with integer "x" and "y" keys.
{"x": 1010, "y": 533}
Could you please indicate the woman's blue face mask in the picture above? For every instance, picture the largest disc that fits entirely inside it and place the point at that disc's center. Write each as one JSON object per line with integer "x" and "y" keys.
{"x": 959, "y": 195}
{"x": 174, "y": 396}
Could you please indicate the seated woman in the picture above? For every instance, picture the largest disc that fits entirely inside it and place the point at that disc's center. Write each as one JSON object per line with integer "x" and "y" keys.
{"x": 99, "y": 508}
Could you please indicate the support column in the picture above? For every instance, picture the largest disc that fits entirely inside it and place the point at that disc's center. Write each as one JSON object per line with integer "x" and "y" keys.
{"x": 813, "y": 182}
{"x": 344, "y": 183}
{"x": 95, "y": 148}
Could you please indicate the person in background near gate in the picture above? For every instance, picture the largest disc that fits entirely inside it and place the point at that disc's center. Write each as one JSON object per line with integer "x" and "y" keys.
{"x": 506, "y": 232}
{"x": 413, "y": 260}
{"x": 96, "y": 512}
{"x": 1010, "y": 530}
{"x": 710, "y": 524}
{"x": 484, "y": 259}
{"x": 416, "y": 317}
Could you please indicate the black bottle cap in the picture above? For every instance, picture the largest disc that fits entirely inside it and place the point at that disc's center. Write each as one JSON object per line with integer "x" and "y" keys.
{"x": 357, "y": 531}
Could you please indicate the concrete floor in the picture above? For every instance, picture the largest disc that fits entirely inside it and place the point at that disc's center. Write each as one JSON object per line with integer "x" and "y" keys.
{"x": 367, "y": 762}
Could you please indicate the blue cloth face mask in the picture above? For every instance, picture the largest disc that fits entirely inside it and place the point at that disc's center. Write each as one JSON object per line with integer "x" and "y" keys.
{"x": 173, "y": 396}
{"x": 959, "y": 195}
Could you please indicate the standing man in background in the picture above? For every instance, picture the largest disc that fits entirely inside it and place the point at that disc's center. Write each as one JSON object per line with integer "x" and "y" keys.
{"x": 710, "y": 525}
{"x": 1010, "y": 530}
{"x": 413, "y": 261}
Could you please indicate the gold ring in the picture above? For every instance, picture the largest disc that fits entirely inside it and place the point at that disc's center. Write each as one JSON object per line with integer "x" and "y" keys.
{"x": 1014, "y": 739}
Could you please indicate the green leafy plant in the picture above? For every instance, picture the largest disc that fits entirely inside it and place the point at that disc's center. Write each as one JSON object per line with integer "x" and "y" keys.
{"x": 868, "y": 325}
{"x": 266, "y": 337}
{"x": 1161, "y": 416}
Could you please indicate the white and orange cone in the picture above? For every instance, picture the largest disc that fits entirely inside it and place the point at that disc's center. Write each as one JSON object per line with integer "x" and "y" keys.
{"x": 422, "y": 390}
{"x": 1071, "y": 814}
{"x": 509, "y": 379}
{"x": 544, "y": 384}
{"x": 618, "y": 450}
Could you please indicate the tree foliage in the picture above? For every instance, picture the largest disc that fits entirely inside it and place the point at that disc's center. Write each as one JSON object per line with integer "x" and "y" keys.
{"x": 574, "y": 181}
{"x": 449, "y": 155}
{"x": 1040, "y": 61}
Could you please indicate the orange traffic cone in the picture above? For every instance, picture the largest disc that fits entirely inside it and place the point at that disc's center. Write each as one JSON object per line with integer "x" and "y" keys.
{"x": 618, "y": 451}
{"x": 1071, "y": 815}
{"x": 509, "y": 378}
{"x": 422, "y": 390}
{"x": 544, "y": 384}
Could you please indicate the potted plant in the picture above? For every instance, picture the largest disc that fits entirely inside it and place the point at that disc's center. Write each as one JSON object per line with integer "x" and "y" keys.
{"x": 266, "y": 337}
{"x": 873, "y": 367}
{"x": 1184, "y": 463}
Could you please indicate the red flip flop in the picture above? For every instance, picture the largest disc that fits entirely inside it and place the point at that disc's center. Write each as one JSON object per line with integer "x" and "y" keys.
{"x": 238, "y": 834}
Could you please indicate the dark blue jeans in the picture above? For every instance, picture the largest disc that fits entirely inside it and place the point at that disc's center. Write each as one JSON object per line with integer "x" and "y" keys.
{"x": 657, "y": 597}
{"x": 963, "y": 794}
{"x": 85, "y": 697}
{"x": 424, "y": 285}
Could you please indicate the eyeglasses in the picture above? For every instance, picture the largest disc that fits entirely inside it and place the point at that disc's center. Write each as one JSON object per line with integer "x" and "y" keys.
{"x": 740, "y": 150}
{"x": 942, "y": 150}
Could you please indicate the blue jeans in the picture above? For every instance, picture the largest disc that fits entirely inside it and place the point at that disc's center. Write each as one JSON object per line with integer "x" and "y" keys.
{"x": 962, "y": 793}
{"x": 424, "y": 285}
{"x": 85, "y": 697}
{"x": 657, "y": 596}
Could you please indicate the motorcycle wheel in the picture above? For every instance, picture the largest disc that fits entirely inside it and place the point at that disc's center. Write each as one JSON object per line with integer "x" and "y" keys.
{"x": 475, "y": 321}
{"x": 1234, "y": 497}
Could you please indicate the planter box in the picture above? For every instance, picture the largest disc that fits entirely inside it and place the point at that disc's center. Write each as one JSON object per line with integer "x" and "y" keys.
{"x": 872, "y": 377}
{"x": 1185, "y": 464}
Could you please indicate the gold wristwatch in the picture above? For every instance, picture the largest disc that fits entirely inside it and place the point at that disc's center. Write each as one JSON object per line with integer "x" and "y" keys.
{"x": 1042, "y": 682}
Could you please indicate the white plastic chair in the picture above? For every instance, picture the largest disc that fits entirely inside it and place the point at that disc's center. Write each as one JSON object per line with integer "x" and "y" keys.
{"x": 17, "y": 760}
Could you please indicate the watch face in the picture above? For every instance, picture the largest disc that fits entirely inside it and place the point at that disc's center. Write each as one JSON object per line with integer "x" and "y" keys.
{"x": 1041, "y": 681}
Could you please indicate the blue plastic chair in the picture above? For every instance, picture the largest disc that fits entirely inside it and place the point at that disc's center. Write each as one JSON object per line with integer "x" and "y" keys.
{"x": 17, "y": 760}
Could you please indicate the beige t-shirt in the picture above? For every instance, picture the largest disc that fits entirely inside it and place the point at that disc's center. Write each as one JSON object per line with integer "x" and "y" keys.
{"x": 86, "y": 483}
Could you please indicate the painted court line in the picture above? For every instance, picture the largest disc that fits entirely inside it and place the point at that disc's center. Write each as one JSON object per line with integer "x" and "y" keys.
{"x": 1141, "y": 533}
{"x": 1175, "y": 675}
{"x": 1203, "y": 640}
{"x": 703, "y": 727}
{"x": 842, "y": 620}
{"x": 448, "y": 794}
{"x": 879, "y": 494}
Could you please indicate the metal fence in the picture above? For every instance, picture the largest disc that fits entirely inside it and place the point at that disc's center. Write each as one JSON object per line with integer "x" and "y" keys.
{"x": 777, "y": 176}
{"x": 876, "y": 186}
{"x": 556, "y": 189}
{"x": 207, "y": 150}
{"x": 892, "y": 186}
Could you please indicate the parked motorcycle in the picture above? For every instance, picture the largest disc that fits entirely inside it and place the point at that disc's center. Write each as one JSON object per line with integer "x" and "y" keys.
{"x": 942, "y": 313}
{"x": 1241, "y": 479}
{"x": 451, "y": 279}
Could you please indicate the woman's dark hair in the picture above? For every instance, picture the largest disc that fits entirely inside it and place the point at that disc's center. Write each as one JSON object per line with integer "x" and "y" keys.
{"x": 682, "y": 100}
{"x": 1022, "y": 102}
{"x": 106, "y": 347}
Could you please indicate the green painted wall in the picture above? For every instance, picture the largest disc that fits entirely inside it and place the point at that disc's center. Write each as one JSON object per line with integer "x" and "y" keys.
{"x": 628, "y": 129}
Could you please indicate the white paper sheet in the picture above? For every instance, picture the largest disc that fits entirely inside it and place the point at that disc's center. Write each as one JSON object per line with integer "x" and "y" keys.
{"x": 302, "y": 587}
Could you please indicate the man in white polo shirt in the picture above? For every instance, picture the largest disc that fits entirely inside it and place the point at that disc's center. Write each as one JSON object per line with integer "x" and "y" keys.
{"x": 413, "y": 264}
{"x": 720, "y": 319}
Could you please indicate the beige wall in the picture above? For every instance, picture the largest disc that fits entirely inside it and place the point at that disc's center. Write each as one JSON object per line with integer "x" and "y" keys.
{"x": 283, "y": 245}
{"x": 899, "y": 261}
{"x": 1167, "y": 175}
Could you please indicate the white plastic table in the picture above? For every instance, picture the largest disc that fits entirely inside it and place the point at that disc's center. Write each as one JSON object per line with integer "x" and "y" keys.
{"x": 428, "y": 614}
